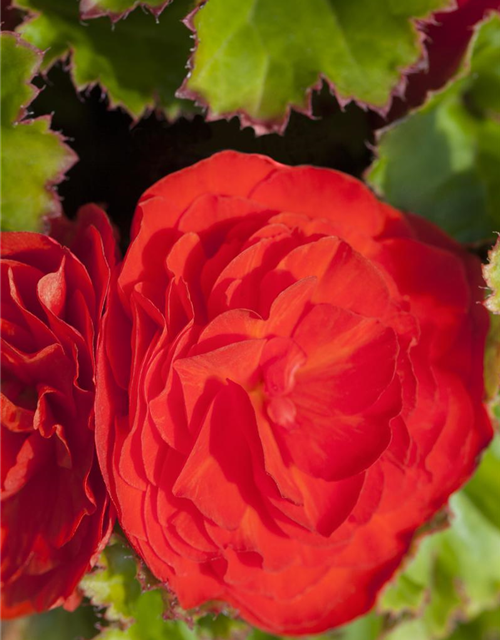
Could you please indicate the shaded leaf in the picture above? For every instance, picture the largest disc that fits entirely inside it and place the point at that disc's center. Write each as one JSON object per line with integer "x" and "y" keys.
{"x": 443, "y": 161}
{"x": 34, "y": 158}
{"x": 139, "y": 61}
{"x": 259, "y": 58}
{"x": 484, "y": 627}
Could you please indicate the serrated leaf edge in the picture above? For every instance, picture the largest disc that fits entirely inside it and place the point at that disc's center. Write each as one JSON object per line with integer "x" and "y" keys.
{"x": 95, "y": 12}
{"x": 67, "y": 58}
{"x": 263, "y": 127}
{"x": 71, "y": 157}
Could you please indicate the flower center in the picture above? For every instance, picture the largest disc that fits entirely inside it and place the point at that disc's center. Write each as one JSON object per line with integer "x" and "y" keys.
{"x": 281, "y": 360}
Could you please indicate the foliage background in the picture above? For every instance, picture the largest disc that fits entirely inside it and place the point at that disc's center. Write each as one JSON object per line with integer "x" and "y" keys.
{"x": 333, "y": 83}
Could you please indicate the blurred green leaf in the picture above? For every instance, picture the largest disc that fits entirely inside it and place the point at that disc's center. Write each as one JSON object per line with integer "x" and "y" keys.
{"x": 57, "y": 624}
{"x": 258, "y": 58}
{"x": 484, "y": 627}
{"x": 149, "y": 623}
{"x": 139, "y": 61}
{"x": 33, "y": 158}
{"x": 443, "y": 161}
{"x": 369, "y": 627}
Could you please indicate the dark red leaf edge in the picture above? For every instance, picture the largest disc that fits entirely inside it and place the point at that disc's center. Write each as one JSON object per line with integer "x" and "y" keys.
{"x": 87, "y": 12}
{"x": 448, "y": 41}
{"x": 384, "y": 127}
{"x": 21, "y": 119}
{"x": 262, "y": 127}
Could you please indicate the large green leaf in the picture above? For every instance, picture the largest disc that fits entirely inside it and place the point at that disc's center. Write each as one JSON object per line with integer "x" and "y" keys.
{"x": 34, "y": 158}
{"x": 260, "y": 57}
{"x": 443, "y": 161}
{"x": 139, "y": 61}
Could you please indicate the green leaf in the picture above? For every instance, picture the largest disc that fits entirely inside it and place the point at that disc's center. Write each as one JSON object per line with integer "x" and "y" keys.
{"x": 57, "y": 624}
{"x": 491, "y": 273}
{"x": 369, "y": 627}
{"x": 112, "y": 584}
{"x": 492, "y": 367}
{"x": 259, "y": 58}
{"x": 455, "y": 574}
{"x": 117, "y": 9}
{"x": 135, "y": 606}
{"x": 33, "y": 158}
{"x": 139, "y": 61}
{"x": 443, "y": 161}
{"x": 484, "y": 627}
{"x": 149, "y": 623}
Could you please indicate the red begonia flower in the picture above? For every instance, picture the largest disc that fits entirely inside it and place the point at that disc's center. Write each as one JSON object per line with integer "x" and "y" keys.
{"x": 56, "y": 515}
{"x": 290, "y": 384}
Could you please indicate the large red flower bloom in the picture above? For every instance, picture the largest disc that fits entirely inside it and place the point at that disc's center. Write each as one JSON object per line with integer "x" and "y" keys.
{"x": 55, "y": 510}
{"x": 290, "y": 384}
